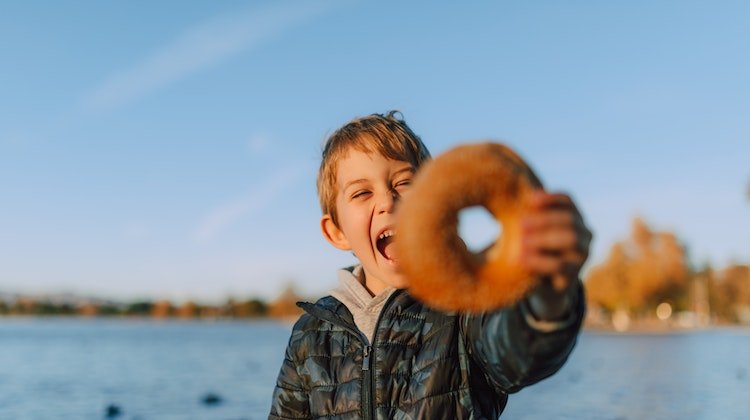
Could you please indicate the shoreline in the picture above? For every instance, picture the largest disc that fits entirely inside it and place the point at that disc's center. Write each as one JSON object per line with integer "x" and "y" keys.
{"x": 644, "y": 329}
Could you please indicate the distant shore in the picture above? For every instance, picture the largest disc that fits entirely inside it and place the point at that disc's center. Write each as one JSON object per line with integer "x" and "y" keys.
{"x": 638, "y": 327}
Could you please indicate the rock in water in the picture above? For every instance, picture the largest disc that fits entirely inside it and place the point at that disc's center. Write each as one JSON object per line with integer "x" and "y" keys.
{"x": 112, "y": 411}
{"x": 211, "y": 399}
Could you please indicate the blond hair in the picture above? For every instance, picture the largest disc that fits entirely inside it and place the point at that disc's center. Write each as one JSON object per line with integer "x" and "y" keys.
{"x": 386, "y": 134}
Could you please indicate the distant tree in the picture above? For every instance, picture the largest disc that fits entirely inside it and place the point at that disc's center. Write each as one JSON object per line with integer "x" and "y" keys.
{"x": 109, "y": 310}
{"x": 250, "y": 308}
{"x": 256, "y": 307}
{"x": 162, "y": 309}
{"x": 141, "y": 308}
{"x": 732, "y": 288}
{"x": 285, "y": 306}
{"x": 642, "y": 271}
{"x": 49, "y": 309}
{"x": 188, "y": 310}
{"x": 719, "y": 300}
{"x": 23, "y": 306}
{"x": 607, "y": 284}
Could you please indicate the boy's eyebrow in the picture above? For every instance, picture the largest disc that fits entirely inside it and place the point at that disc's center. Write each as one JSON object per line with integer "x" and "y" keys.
{"x": 356, "y": 181}
{"x": 406, "y": 169}
{"x": 364, "y": 181}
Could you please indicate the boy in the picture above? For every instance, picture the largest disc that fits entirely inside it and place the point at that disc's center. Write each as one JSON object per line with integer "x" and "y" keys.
{"x": 370, "y": 350}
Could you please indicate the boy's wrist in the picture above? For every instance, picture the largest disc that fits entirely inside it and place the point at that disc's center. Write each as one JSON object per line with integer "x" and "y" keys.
{"x": 548, "y": 304}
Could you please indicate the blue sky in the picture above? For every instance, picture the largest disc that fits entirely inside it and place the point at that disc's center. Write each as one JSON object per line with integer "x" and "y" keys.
{"x": 169, "y": 149}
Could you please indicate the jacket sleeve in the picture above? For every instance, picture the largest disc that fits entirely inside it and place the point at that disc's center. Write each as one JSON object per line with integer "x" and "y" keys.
{"x": 514, "y": 349}
{"x": 290, "y": 400}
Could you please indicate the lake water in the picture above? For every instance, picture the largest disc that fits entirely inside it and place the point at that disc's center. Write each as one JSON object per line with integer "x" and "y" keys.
{"x": 76, "y": 368}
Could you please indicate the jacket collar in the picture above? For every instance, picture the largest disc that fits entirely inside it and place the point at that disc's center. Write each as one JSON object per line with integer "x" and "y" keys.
{"x": 331, "y": 310}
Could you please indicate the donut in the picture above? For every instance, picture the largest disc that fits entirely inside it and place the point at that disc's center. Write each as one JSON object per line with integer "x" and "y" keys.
{"x": 439, "y": 268}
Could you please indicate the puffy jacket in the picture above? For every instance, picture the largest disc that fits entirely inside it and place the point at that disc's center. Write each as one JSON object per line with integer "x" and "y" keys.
{"x": 421, "y": 363}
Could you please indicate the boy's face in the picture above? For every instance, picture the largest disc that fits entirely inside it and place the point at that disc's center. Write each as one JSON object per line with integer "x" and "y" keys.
{"x": 368, "y": 186}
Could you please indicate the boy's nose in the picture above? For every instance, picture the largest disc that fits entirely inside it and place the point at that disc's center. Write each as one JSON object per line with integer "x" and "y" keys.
{"x": 387, "y": 201}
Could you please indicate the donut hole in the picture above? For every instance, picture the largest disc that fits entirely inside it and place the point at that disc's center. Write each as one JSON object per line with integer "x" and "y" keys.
{"x": 478, "y": 228}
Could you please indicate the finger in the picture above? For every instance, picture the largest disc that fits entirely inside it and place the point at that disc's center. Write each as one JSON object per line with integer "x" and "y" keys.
{"x": 541, "y": 264}
{"x": 561, "y": 202}
{"x": 552, "y": 240}
{"x": 573, "y": 261}
{"x": 555, "y": 219}
{"x": 542, "y": 199}
{"x": 543, "y": 203}
{"x": 572, "y": 246}
{"x": 540, "y": 220}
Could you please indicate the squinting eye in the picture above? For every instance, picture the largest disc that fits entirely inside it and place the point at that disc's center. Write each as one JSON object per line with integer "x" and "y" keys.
{"x": 404, "y": 183}
{"x": 359, "y": 194}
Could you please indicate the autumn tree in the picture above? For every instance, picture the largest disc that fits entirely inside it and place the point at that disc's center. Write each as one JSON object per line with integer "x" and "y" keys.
{"x": 731, "y": 293}
{"x": 607, "y": 284}
{"x": 640, "y": 272}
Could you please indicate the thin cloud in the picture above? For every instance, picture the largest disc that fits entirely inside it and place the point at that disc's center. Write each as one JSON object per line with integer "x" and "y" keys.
{"x": 259, "y": 143}
{"x": 136, "y": 231}
{"x": 223, "y": 216}
{"x": 199, "y": 48}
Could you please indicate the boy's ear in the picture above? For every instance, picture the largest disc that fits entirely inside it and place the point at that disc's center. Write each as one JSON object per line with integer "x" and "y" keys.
{"x": 333, "y": 234}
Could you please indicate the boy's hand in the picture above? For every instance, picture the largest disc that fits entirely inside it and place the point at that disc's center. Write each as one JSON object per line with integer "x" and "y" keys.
{"x": 555, "y": 247}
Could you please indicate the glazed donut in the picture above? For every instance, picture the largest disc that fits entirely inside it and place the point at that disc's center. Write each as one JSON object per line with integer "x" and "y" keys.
{"x": 440, "y": 269}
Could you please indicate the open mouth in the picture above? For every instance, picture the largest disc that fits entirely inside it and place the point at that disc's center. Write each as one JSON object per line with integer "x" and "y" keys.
{"x": 385, "y": 244}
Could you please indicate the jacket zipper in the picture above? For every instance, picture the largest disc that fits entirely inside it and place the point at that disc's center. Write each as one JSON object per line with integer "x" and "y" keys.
{"x": 368, "y": 384}
{"x": 367, "y": 381}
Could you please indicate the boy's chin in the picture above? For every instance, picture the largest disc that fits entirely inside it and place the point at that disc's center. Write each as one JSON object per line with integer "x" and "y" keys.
{"x": 398, "y": 281}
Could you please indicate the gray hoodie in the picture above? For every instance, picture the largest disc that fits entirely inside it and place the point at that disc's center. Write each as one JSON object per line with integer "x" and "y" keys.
{"x": 364, "y": 307}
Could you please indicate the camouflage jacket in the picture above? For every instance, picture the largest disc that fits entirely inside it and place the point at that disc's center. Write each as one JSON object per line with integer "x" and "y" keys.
{"x": 421, "y": 363}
